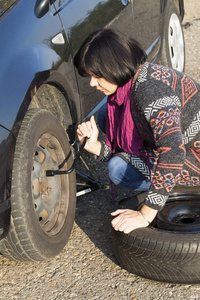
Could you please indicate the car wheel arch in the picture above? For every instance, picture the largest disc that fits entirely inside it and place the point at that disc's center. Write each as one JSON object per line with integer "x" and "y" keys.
{"x": 59, "y": 104}
{"x": 179, "y": 5}
{"x": 50, "y": 97}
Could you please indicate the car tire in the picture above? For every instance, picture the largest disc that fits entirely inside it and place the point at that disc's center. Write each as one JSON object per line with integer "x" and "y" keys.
{"x": 173, "y": 45}
{"x": 42, "y": 208}
{"x": 168, "y": 249}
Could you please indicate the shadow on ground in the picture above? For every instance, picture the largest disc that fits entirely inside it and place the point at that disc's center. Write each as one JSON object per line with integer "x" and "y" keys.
{"x": 93, "y": 210}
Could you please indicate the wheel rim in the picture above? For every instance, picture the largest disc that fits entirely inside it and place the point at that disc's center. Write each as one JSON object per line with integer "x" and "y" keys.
{"x": 182, "y": 215}
{"x": 50, "y": 194}
{"x": 176, "y": 43}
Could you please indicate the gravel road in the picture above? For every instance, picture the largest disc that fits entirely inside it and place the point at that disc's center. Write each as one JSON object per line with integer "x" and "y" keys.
{"x": 86, "y": 268}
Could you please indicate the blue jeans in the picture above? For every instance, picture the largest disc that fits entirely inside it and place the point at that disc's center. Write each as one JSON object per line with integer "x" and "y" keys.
{"x": 125, "y": 176}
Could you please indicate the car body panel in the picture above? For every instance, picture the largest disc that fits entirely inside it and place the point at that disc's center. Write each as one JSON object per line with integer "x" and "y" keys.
{"x": 30, "y": 61}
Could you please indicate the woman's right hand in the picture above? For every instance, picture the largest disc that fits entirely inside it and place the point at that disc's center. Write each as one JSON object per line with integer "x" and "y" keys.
{"x": 89, "y": 129}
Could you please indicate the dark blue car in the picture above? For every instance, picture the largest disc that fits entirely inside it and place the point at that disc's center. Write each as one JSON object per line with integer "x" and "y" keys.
{"x": 43, "y": 99}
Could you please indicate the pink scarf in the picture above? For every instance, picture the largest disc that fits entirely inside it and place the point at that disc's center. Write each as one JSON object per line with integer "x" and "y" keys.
{"x": 120, "y": 128}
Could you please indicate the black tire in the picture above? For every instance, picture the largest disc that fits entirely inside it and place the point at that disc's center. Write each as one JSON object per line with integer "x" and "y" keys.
{"x": 42, "y": 208}
{"x": 167, "y": 250}
{"x": 173, "y": 45}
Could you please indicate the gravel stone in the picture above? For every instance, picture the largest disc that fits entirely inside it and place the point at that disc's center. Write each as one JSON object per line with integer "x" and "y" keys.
{"x": 87, "y": 268}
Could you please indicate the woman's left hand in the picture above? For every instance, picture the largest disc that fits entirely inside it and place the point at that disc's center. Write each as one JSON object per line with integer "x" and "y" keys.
{"x": 127, "y": 220}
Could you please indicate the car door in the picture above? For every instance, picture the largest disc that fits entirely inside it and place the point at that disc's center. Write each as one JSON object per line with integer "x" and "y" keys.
{"x": 79, "y": 19}
{"x": 147, "y": 25}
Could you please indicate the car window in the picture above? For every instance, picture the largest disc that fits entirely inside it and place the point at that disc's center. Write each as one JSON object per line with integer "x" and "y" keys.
{"x": 59, "y": 3}
{"x": 5, "y": 4}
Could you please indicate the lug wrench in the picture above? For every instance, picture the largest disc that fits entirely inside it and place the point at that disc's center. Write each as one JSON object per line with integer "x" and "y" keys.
{"x": 91, "y": 184}
{"x": 89, "y": 180}
{"x": 50, "y": 173}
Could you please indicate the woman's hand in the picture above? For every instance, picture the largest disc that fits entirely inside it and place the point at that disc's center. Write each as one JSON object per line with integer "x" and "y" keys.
{"x": 89, "y": 129}
{"x": 127, "y": 220}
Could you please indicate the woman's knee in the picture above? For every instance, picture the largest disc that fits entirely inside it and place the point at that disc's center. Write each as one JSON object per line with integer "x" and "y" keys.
{"x": 123, "y": 175}
{"x": 116, "y": 169}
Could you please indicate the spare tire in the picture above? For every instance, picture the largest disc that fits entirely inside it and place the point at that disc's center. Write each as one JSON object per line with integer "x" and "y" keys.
{"x": 168, "y": 249}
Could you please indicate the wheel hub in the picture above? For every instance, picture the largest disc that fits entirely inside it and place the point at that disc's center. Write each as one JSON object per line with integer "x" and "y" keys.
{"x": 47, "y": 192}
{"x": 182, "y": 215}
{"x": 176, "y": 43}
{"x": 186, "y": 219}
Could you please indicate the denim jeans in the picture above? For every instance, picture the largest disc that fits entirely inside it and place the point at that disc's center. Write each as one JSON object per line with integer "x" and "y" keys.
{"x": 120, "y": 173}
{"x": 125, "y": 176}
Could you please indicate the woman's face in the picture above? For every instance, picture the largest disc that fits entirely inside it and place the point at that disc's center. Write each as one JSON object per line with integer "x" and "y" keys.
{"x": 103, "y": 85}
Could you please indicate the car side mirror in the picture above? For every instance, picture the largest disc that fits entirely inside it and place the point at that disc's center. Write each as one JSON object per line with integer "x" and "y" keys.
{"x": 41, "y": 8}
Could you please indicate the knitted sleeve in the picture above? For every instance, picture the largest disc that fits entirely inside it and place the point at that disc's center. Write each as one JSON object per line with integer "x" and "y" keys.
{"x": 166, "y": 128}
{"x": 104, "y": 153}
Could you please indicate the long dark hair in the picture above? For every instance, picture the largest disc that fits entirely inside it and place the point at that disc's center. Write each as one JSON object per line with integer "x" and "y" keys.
{"x": 109, "y": 54}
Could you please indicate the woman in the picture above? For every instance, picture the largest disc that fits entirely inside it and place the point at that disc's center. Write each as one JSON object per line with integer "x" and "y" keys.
{"x": 152, "y": 123}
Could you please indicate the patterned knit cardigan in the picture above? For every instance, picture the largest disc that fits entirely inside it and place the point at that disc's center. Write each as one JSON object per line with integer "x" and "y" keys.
{"x": 165, "y": 106}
